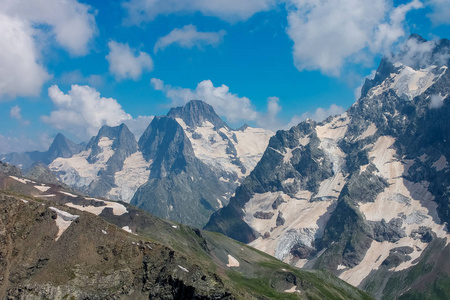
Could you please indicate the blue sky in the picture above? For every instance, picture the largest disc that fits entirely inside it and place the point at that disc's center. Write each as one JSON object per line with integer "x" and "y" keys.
{"x": 73, "y": 66}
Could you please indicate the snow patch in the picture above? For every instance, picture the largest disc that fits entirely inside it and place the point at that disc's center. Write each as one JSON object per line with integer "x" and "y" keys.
{"x": 408, "y": 82}
{"x": 63, "y": 221}
{"x": 42, "y": 188}
{"x": 211, "y": 146}
{"x": 183, "y": 269}
{"x": 127, "y": 229}
{"x": 220, "y": 203}
{"x": 293, "y": 289}
{"x": 118, "y": 209}
{"x": 22, "y": 180}
{"x": 304, "y": 222}
{"x": 76, "y": 171}
{"x": 232, "y": 262}
{"x": 135, "y": 172}
{"x": 68, "y": 194}
{"x": 371, "y": 130}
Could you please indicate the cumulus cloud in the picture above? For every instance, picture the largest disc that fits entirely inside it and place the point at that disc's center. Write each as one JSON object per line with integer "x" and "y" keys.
{"x": 239, "y": 109}
{"x": 21, "y": 72}
{"x": 436, "y": 101}
{"x": 127, "y": 63}
{"x": 157, "y": 84}
{"x": 189, "y": 37}
{"x": 69, "y": 23}
{"x": 441, "y": 12}
{"x": 326, "y": 34}
{"x": 230, "y": 10}
{"x": 418, "y": 53}
{"x": 82, "y": 111}
{"x": 15, "y": 113}
{"x": 386, "y": 34}
{"x": 225, "y": 103}
{"x": 319, "y": 115}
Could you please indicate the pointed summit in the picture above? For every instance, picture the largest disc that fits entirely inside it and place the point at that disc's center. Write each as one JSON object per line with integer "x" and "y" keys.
{"x": 195, "y": 113}
{"x": 61, "y": 147}
{"x": 118, "y": 138}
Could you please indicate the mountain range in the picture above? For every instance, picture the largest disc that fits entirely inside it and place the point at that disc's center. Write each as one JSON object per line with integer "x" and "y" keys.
{"x": 365, "y": 194}
{"x": 184, "y": 167}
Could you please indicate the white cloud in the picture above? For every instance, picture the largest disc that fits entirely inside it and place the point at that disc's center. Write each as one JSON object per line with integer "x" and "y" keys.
{"x": 386, "y": 34}
{"x": 239, "y": 109}
{"x": 82, "y": 111}
{"x": 328, "y": 33}
{"x": 418, "y": 53}
{"x": 233, "y": 107}
{"x": 125, "y": 62}
{"x": 21, "y": 72}
{"x": 24, "y": 25}
{"x": 15, "y": 113}
{"x": 157, "y": 84}
{"x": 189, "y": 37}
{"x": 230, "y": 10}
{"x": 436, "y": 101}
{"x": 319, "y": 115}
{"x": 72, "y": 23}
{"x": 441, "y": 12}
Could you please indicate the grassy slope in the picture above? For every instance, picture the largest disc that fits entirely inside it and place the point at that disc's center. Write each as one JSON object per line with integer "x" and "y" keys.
{"x": 258, "y": 276}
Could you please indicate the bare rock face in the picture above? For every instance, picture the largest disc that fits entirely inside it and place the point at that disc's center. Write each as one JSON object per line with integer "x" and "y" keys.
{"x": 355, "y": 189}
{"x": 197, "y": 161}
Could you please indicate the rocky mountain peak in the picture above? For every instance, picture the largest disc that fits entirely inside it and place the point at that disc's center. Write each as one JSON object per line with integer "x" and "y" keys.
{"x": 118, "y": 138}
{"x": 195, "y": 113}
{"x": 413, "y": 69}
{"x": 60, "y": 147}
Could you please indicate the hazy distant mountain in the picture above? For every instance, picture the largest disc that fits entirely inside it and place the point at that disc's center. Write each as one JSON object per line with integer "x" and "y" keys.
{"x": 60, "y": 147}
{"x": 364, "y": 194}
